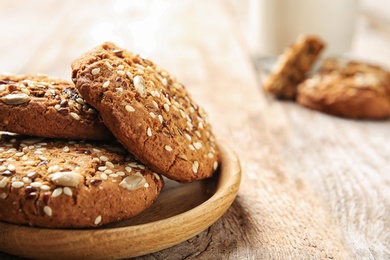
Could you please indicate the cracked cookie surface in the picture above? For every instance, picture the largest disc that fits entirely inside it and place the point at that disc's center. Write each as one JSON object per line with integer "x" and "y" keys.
{"x": 148, "y": 111}
{"x": 71, "y": 184}
{"x": 348, "y": 89}
{"x": 42, "y": 106}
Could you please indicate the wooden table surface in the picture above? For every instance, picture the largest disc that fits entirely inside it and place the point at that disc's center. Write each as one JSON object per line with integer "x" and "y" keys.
{"x": 314, "y": 186}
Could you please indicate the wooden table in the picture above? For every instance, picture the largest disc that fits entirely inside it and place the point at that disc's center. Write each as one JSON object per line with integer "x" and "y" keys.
{"x": 314, "y": 186}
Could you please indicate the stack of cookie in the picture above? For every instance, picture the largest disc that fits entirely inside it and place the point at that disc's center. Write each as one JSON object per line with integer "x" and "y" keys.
{"x": 94, "y": 152}
{"x": 340, "y": 87}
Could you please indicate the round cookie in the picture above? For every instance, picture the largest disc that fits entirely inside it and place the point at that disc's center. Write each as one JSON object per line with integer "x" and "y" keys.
{"x": 148, "y": 111}
{"x": 360, "y": 95}
{"x": 47, "y": 107}
{"x": 71, "y": 184}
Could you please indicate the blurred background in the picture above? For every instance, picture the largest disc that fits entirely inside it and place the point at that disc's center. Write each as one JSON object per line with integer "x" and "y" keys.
{"x": 45, "y": 36}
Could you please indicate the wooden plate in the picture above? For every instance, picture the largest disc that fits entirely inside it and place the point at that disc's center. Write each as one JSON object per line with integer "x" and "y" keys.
{"x": 181, "y": 212}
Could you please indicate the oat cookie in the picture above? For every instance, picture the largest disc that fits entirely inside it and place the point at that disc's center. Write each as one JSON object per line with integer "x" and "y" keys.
{"x": 292, "y": 66}
{"x": 148, "y": 111}
{"x": 47, "y": 107}
{"x": 71, "y": 184}
{"x": 348, "y": 89}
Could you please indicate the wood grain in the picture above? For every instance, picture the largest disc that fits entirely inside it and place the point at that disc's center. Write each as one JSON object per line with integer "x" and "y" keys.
{"x": 314, "y": 186}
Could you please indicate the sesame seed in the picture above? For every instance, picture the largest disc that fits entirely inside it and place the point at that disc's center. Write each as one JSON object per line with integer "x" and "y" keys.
{"x": 132, "y": 164}
{"x": 182, "y": 113}
{"x": 156, "y": 175}
{"x": 106, "y": 84}
{"x": 121, "y": 72}
{"x": 3, "y": 195}
{"x": 48, "y": 211}
{"x": 66, "y": 149}
{"x": 149, "y": 132}
{"x": 168, "y": 148}
{"x": 108, "y": 65}
{"x": 95, "y": 71}
{"x": 153, "y": 115}
{"x": 109, "y": 164}
{"x": 103, "y": 158}
{"x": 11, "y": 167}
{"x": 215, "y": 165}
{"x": 97, "y": 220}
{"x": 129, "y": 75}
{"x": 121, "y": 67}
{"x": 120, "y": 173}
{"x": 183, "y": 156}
{"x": 20, "y": 154}
{"x": 45, "y": 187}
{"x": 191, "y": 147}
{"x": 74, "y": 115}
{"x": 160, "y": 118}
{"x": 166, "y": 107}
{"x": 3, "y": 182}
{"x": 113, "y": 175}
{"x": 102, "y": 168}
{"x": 26, "y": 180}
{"x": 80, "y": 101}
{"x": 36, "y": 184}
{"x": 67, "y": 191}
{"x": 155, "y": 103}
{"x": 42, "y": 158}
{"x": 146, "y": 185}
{"x": 57, "y": 192}
{"x": 188, "y": 137}
{"x": 17, "y": 184}
{"x": 28, "y": 163}
{"x": 128, "y": 169}
{"x": 2, "y": 168}
{"x": 164, "y": 81}
{"x": 129, "y": 108}
{"x": 195, "y": 167}
{"x": 103, "y": 176}
{"x": 198, "y": 145}
{"x": 210, "y": 155}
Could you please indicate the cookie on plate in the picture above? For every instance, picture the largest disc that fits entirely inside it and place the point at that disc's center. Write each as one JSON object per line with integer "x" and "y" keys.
{"x": 71, "y": 184}
{"x": 356, "y": 90}
{"x": 42, "y": 106}
{"x": 292, "y": 66}
{"x": 148, "y": 111}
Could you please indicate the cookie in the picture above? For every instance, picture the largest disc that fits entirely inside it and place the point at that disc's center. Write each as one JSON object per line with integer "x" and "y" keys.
{"x": 361, "y": 95}
{"x": 292, "y": 66}
{"x": 71, "y": 184}
{"x": 42, "y": 106}
{"x": 148, "y": 111}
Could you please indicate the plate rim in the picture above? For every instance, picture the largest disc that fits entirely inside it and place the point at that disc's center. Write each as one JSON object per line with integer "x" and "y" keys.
{"x": 227, "y": 186}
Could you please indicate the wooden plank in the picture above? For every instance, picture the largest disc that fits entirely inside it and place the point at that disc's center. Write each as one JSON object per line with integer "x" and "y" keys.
{"x": 314, "y": 186}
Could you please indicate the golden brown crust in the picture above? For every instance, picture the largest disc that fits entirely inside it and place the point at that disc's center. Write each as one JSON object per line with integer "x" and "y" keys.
{"x": 148, "y": 111}
{"x": 348, "y": 89}
{"x": 47, "y": 107}
{"x": 71, "y": 184}
{"x": 292, "y": 67}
